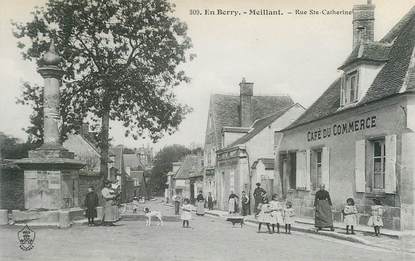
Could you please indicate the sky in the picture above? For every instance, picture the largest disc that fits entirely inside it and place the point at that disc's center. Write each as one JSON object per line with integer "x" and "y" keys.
{"x": 289, "y": 54}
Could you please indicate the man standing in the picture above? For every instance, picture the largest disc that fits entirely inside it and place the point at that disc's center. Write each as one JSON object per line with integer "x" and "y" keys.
{"x": 259, "y": 194}
{"x": 108, "y": 194}
{"x": 210, "y": 200}
{"x": 322, "y": 206}
{"x": 177, "y": 199}
{"x": 91, "y": 203}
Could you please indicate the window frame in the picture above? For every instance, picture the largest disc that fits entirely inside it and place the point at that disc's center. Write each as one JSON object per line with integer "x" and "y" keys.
{"x": 346, "y": 90}
{"x": 382, "y": 158}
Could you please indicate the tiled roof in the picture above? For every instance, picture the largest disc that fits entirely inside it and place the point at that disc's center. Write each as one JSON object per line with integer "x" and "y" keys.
{"x": 389, "y": 80}
{"x": 191, "y": 167}
{"x": 374, "y": 52}
{"x": 225, "y": 109}
{"x": 259, "y": 125}
{"x": 132, "y": 161}
{"x": 268, "y": 163}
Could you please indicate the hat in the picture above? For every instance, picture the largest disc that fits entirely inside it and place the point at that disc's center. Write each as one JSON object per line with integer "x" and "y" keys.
{"x": 258, "y": 184}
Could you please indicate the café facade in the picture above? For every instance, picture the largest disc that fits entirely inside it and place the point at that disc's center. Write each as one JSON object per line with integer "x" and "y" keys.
{"x": 358, "y": 138}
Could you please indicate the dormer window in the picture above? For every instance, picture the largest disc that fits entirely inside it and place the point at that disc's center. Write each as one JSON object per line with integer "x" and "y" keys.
{"x": 349, "y": 89}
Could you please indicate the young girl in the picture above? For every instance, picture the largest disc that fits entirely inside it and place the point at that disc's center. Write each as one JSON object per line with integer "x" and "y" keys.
{"x": 376, "y": 219}
{"x": 350, "y": 217}
{"x": 289, "y": 214}
{"x": 264, "y": 215}
{"x": 186, "y": 213}
{"x": 276, "y": 213}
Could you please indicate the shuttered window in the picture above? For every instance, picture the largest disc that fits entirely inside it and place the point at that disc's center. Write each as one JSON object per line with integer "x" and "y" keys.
{"x": 360, "y": 165}
{"x": 303, "y": 170}
{"x": 325, "y": 167}
{"x": 232, "y": 180}
{"x": 390, "y": 164}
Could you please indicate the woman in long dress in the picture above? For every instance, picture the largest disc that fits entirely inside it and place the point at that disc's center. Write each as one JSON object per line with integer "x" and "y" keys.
{"x": 233, "y": 203}
{"x": 323, "y": 215}
{"x": 200, "y": 202}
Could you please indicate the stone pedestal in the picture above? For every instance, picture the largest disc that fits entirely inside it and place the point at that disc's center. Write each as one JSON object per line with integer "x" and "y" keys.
{"x": 51, "y": 179}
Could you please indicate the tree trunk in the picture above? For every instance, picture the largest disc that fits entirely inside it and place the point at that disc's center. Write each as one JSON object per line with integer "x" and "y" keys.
{"x": 104, "y": 144}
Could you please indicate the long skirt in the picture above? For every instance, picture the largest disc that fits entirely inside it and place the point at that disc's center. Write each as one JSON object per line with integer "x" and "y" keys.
{"x": 232, "y": 205}
{"x": 110, "y": 211}
{"x": 323, "y": 217}
{"x": 245, "y": 210}
{"x": 210, "y": 204}
{"x": 176, "y": 207}
{"x": 200, "y": 210}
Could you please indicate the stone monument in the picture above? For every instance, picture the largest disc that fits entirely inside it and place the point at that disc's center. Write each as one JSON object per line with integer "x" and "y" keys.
{"x": 51, "y": 178}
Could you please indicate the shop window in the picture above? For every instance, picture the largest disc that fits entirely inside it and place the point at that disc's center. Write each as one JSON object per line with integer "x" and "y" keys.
{"x": 349, "y": 89}
{"x": 378, "y": 164}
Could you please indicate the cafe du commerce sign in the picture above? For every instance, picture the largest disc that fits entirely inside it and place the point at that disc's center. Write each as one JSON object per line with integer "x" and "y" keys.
{"x": 338, "y": 129}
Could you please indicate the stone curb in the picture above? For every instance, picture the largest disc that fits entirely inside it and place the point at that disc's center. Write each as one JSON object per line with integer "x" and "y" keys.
{"x": 353, "y": 239}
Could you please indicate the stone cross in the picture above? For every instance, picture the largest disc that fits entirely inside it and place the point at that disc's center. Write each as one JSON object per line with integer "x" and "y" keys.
{"x": 52, "y": 75}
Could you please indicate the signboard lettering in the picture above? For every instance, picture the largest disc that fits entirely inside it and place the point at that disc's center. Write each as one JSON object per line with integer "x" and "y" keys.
{"x": 338, "y": 129}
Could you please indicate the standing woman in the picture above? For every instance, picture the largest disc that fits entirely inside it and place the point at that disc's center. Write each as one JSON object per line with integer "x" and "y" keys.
{"x": 232, "y": 202}
{"x": 91, "y": 203}
{"x": 108, "y": 194}
{"x": 245, "y": 204}
{"x": 200, "y": 201}
{"x": 322, "y": 205}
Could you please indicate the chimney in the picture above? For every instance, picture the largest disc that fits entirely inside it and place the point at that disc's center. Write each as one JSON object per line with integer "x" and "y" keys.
{"x": 245, "y": 113}
{"x": 84, "y": 129}
{"x": 363, "y": 23}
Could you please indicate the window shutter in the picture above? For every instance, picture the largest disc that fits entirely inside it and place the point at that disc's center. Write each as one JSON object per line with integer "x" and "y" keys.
{"x": 307, "y": 177}
{"x": 325, "y": 167}
{"x": 232, "y": 180}
{"x": 390, "y": 168}
{"x": 360, "y": 166}
{"x": 300, "y": 169}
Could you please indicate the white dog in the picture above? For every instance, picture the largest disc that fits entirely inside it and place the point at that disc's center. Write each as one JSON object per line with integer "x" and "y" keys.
{"x": 149, "y": 214}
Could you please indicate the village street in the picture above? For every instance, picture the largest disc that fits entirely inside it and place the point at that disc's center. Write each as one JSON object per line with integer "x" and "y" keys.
{"x": 208, "y": 239}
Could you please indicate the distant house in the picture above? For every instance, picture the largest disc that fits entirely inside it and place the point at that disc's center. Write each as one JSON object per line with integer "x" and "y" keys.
{"x": 229, "y": 118}
{"x": 188, "y": 179}
{"x": 250, "y": 158}
{"x": 135, "y": 170}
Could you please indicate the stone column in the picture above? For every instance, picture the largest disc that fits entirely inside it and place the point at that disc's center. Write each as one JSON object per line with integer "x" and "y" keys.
{"x": 52, "y": 75}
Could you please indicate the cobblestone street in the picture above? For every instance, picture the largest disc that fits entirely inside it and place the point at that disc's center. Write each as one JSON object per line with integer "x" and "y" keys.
{"x": 208, "y": 239}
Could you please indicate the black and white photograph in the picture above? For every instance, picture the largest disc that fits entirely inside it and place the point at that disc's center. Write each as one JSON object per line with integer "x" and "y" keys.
{"x": 207, "y": 130}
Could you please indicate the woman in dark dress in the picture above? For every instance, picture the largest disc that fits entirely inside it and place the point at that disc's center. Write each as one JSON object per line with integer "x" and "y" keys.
{"x": 91, "y": 203}
{"x": 322, "y": 205}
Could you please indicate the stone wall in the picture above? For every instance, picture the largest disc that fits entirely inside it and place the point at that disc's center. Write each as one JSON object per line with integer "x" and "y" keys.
{"x": 11, "y": 189}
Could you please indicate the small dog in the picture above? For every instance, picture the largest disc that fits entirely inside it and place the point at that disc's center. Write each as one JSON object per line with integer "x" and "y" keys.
{"x": 149, "y": 214}
{"x": 236, "y": 220}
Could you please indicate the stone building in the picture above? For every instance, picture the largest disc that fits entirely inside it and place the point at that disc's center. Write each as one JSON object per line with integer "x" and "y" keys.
{"x": 358, "y": 138}
{"x": 229, "y": 118}
{"x": 246, "y": 160}
{"x": 188, "y": 179}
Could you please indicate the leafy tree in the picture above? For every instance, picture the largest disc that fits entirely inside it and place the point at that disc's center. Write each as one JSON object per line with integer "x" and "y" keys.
{"x": 11, "y": 148}
{"x": 163, "y": 163}
{"x": 121, "y": 59}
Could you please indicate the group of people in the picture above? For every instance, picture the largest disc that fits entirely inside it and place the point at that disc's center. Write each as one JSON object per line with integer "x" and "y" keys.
{"x": 324, "y": 216}
{"x": 110, "y": 196}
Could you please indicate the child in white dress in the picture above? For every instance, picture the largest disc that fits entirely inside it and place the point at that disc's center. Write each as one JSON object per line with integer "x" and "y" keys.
{"x": 264, "y": 216}
{"x": 135, "y": 204}
{"x": 277, "y": 213}
{"x": 350, "y": 215}
{"x": 376, "y": 219}
{"x": 289, "y": 214}
{"x": 186, "y": 213}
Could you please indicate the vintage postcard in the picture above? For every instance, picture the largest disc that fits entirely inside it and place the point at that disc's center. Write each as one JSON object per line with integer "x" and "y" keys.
{"x": 207, "y": 130}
